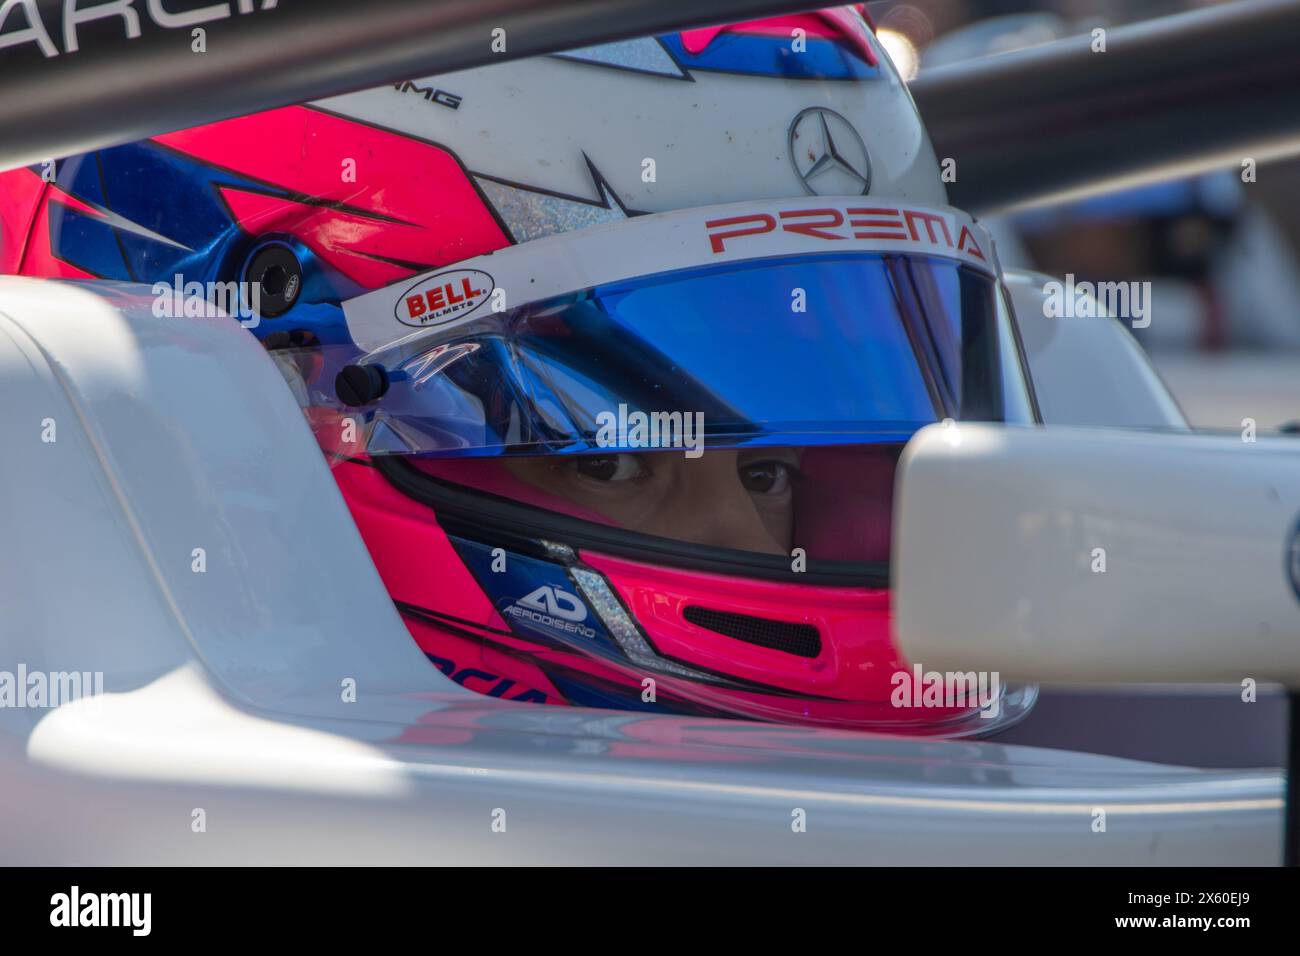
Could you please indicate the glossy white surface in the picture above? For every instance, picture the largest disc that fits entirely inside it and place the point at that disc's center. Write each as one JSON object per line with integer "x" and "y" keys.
{"x": 999, "y": 534}
{"x": 580, "y": 786}
{"x": 175, "y": 435}
{"x": 1087, "y": 371}
{"x": 223, "y": 689}
{"x": 715, "y": 138}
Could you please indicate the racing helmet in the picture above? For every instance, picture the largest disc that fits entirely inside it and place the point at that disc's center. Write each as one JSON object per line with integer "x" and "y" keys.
{"x": 613, "y": 353}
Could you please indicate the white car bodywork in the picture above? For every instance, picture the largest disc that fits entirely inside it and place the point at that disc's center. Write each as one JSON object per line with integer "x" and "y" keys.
{"x": 1087, "y": 371}
{"x": 226, "y": 731}
{"x": 1162, "y": 556}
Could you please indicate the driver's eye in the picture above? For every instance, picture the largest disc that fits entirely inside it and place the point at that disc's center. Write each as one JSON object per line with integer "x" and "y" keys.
{"x": 765, "y": 477}
{"x": 620, "y": 467}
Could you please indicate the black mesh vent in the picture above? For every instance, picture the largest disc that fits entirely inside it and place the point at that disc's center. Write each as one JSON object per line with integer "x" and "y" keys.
{"x": 800, "y": 639}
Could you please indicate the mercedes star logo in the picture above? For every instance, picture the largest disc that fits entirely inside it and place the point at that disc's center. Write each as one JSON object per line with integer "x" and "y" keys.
{"x": 829, "y": 156}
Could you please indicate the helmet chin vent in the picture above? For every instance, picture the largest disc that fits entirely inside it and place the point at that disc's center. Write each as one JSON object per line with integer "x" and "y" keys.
{"x": 802, "y": 640}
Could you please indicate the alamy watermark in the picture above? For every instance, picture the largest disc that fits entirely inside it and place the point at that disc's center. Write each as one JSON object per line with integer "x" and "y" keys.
{"x": 208, "y": 300}
{"x": 39, "y": 689}
{"x": 1127, "y": 301}
{"x": 132, "y": 911}
{"x": 624, "y": 429}
{"x": 948, "y": 689}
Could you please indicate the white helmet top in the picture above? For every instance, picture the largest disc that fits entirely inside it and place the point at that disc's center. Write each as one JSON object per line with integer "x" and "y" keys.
{"x": 798, "y": 105}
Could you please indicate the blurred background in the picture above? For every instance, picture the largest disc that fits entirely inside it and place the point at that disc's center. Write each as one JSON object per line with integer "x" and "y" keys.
{"x": 1221, "y": 257}
{"x": 1220, "y": 253}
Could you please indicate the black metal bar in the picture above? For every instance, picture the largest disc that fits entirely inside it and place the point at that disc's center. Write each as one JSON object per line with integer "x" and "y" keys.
{"x": 1168, "y": 97}
{"x": 114, "y": 89}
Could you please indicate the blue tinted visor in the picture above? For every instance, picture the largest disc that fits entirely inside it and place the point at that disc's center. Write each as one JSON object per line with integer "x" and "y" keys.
{"x": 842, "y": 349}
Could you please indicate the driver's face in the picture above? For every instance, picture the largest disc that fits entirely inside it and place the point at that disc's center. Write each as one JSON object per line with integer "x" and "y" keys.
{"x": 725, "y": 498}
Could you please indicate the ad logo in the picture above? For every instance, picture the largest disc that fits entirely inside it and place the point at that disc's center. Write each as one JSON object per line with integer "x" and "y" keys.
{"x": 553, "y": 610}
{"x": 441, "y": 298}
{"x": 557, "y": 603}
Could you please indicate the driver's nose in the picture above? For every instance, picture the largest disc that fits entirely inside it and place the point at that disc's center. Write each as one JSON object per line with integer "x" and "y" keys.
{"x": 706, "y": 504}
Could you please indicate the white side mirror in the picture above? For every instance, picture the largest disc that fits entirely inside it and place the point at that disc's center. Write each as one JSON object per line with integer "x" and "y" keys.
{"x": 1077, "y": 555}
